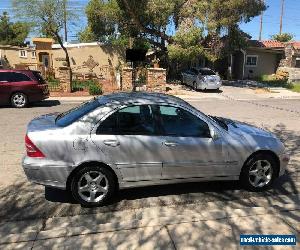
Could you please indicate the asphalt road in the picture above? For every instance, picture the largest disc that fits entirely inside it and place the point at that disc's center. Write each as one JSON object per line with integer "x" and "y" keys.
{"x": 21, "y": 200}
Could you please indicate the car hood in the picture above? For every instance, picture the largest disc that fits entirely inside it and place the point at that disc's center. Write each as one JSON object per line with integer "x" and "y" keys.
{"x": 243, "y": 128}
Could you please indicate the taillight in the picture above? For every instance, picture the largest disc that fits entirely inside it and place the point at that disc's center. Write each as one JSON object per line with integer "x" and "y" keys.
{"x": 31, "y": 149}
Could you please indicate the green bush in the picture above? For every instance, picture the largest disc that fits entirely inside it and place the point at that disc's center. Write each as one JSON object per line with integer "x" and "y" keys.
{"x": 95, "y": 89}
{"x": 83, "y": 85}
{"x": 271, "y": 81}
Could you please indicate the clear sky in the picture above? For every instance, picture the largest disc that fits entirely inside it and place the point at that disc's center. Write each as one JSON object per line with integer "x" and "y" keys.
{"x": 271, "y": 20}
{"x": 291, "y": 18}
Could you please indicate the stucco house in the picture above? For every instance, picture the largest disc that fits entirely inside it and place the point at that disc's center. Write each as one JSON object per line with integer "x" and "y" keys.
{"x": 265, "y": 58}
{"x": 15, "y": 56}
{"x": 44, "y": 55}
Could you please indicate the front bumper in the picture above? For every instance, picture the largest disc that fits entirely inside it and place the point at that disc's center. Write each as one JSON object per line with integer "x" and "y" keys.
{"x": 284, "y": 159}
{"x": 46, "y": 172}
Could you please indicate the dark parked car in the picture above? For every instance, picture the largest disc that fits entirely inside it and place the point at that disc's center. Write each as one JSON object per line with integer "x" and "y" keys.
{"x": 21, "y": 87}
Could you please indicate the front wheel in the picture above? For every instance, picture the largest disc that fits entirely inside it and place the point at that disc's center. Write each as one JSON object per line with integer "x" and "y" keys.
{"x": 194, "y": 85}
{"x": 259, "y": 172}
{"x": 93, "y": 185}
{"x": 19, "y": 100}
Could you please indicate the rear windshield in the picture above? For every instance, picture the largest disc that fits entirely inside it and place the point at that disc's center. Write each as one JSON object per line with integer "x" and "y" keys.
{"x": 206, "y": 72}
{"x": 39, "y": 77}
{"x": 72, "y": 115}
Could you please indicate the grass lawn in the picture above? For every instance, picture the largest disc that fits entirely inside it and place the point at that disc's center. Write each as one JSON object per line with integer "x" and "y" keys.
{"x": 295, "y": 87}
{"x": 270, "y": 82}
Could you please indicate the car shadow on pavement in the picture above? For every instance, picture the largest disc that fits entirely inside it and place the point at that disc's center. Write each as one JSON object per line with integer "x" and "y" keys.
{"x": 218, "y": 91}
{"x": 45, "y": 103}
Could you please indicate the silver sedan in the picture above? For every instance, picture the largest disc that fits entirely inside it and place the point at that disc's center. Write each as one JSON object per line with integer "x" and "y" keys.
{"x": 128, "y": 140}
{"x": 201, "y": 78}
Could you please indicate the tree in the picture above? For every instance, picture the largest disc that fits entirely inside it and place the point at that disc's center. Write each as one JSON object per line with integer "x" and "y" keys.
{"x": 195, "y": 23}
{"x": 283, "y": 37}
{"x": 48, "y": 16}
{"x": 12, "y": 33}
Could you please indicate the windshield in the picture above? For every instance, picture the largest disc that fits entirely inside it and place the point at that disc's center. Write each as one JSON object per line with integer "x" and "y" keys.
{"x": 206, "y": 72}
{"x": 72, "y": 115}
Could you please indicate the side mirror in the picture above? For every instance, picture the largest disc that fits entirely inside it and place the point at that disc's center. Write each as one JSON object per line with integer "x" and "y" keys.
{"x": 214, "y": 134}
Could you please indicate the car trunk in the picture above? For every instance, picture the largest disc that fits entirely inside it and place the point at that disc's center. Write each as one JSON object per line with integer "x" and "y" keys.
{"x": 42, "y": 123}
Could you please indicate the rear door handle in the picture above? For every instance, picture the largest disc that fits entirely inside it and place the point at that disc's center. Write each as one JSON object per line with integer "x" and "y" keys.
{"x": 171, "y": 144}
{"x": 112, "y": 143}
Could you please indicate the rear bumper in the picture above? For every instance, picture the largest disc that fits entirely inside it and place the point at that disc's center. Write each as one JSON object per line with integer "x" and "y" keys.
{"x": 209, "y": 85}
{"x": 46, "y": 172}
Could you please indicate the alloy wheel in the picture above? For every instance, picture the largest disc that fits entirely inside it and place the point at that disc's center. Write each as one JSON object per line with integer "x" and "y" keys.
{"x": 260, "y": 173}
{"x": 93, "y": 186}
{"x": 19, "y": 100}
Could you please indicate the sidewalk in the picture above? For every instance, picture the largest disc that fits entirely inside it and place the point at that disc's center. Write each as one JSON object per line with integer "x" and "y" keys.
{"x": 228, "y": 92}
{"x": 167, "y": 227}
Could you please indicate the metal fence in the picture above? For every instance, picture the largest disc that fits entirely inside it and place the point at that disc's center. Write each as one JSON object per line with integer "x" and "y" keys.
{"x": 54, "y": 86}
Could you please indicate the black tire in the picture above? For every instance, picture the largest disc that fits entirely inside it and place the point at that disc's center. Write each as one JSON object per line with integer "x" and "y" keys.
{"x": 79, "y": 178}
{"x": 247, "y": 179}
{"x": 19, "y": 100}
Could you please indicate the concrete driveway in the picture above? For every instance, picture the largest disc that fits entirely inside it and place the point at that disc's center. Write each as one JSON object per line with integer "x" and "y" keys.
{"x": 28, "y": 210}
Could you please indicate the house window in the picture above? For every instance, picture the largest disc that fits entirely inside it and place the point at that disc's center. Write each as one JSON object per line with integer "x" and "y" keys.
{"x": 23, "y": 53}
{"x": 297, "y": 62}
{"x": 33, "y": 54}
{"x": 251, "y": 61}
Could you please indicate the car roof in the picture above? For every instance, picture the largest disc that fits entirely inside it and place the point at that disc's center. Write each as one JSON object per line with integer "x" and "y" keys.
{"x": 203, "y": 69}
{"x": 123, "y": 98}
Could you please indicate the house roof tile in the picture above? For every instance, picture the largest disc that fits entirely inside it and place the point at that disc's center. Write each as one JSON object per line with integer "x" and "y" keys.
{"x": 266, "y": 44}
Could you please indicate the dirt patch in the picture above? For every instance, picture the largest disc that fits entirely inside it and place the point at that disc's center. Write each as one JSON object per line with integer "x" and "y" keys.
{"x": 261, "y": 91}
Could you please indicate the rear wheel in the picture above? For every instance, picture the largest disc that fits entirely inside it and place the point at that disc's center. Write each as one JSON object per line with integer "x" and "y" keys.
{"x": 93, "y": 185}
{"x": 259, "y": 172}
{"x": 19, "y": 100}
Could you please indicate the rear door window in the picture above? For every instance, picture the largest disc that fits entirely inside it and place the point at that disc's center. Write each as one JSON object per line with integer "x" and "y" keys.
{"x": 13, "y": 77}
{"x": 4, "y": 77}
{"x": 133, "y": 120}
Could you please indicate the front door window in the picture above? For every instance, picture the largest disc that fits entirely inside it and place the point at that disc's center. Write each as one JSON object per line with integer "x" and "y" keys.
{"x": 179, "y": 122}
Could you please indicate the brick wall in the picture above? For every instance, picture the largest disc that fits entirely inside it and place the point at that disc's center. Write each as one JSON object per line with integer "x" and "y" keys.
{"x": 156, "y": 79}
{"x": 126, "y": 79}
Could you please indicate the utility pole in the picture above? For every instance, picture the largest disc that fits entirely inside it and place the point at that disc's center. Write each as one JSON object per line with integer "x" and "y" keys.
{"x": 261, "y": 26}
{"x": 282, "y": 7}
{"x": 65, "y": 20}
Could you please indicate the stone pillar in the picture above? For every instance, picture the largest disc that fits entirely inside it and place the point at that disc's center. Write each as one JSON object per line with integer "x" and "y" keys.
{"x": 156, "y": 79}
{"x": 126, "y": 79}
{"x": 65, "y": 80}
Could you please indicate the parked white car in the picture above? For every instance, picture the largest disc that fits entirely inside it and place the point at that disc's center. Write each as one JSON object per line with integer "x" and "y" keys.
{"x": 201, "y": 78}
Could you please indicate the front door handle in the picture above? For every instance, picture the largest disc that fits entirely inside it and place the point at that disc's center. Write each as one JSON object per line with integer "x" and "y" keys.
{"x": 112, "y": 143}
{"x": 171, "y": 144}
